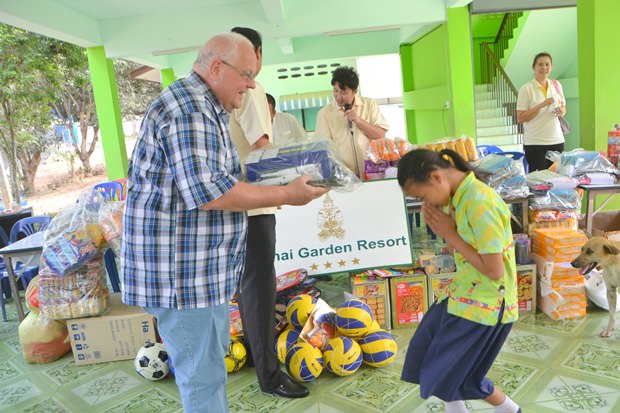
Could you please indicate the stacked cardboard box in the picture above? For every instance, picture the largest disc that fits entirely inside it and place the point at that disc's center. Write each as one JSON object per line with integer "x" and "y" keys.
{"x": 561, "y": 291}
{"x": 375, "y": 292}
{"x": 526, "y": 288}
{"x": 437, "y": 283}
{"x": 409, "y": 299}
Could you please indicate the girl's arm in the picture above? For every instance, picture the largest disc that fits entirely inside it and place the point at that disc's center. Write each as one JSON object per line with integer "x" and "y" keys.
{"x": 442, "y": 224}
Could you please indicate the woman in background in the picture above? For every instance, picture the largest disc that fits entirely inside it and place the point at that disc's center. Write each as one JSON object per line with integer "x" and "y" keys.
{"x": 539, "y": 104}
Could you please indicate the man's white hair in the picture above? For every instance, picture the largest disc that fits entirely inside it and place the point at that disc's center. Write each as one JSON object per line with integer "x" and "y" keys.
{"x": 223, "y": 46}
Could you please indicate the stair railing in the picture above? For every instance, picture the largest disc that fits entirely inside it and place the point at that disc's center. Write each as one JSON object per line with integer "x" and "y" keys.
{"x": 503, "y": 89}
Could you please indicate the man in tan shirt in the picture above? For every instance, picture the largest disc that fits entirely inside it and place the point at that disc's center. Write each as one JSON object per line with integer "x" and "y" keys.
{"x": 250, "y": 128}
{"x": 351, "y": 120}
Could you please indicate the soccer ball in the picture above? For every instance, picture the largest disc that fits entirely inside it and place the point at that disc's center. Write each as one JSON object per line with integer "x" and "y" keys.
{"x": 151, "y": 362}
{"x": 298, "y": 310}
{"x": 353, "y": 318}
{"x": 235, "y": 357}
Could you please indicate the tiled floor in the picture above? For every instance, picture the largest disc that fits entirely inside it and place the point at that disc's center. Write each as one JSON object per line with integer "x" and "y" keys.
{"x": 546, "y": 365}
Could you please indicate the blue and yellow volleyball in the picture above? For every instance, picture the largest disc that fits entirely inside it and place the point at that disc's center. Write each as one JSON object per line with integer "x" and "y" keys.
{"x": 378, "y": 348}
{"x": 298, "y": 310}
{"x": 304, "y": 362}
{"x": 353, "y": 318}
{"x": 342, "y": 356}
{"x": 374, "y": 327}
{"x": 287, "y": 339}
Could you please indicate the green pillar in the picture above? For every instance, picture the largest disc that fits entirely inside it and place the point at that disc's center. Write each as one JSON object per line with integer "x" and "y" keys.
{"x": 599, "y": 70}
{"x": 406, "y": 68}
{"x": 108, "y": 112}
{"x": 167, "y": 77}
{"x": 461, "y": 77}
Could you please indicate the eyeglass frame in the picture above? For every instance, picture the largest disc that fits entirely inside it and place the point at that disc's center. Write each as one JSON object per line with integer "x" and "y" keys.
{"x": 250, "y": 77}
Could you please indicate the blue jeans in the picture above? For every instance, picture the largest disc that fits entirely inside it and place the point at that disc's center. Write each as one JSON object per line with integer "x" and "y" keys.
{"x": 197, "y": 341}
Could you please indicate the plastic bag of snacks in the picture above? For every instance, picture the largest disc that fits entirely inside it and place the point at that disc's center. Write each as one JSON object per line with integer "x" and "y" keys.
{"x": 110, "y": 222}
{"x": 42, "y": 341}
{"x": 82, "y": 292}
{"x": 73, "y": 236}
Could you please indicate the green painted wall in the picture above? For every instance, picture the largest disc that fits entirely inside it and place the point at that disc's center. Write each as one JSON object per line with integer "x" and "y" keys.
{"x": 167, "y": 77}
{"x": 431, "y": 121}
{"x": 461, "y": 72}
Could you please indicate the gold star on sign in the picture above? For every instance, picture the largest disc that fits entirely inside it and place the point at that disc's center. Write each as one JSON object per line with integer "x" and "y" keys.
{"x": 342, "y": 263}
{"x": 356, "y": 260}
{"x": 328, "y": 265}
{"x": 314, "y": 267}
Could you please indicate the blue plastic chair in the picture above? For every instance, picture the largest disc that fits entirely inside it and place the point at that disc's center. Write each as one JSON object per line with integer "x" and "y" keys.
{"x": 484, "y": 150}
{"x": 111, "y": 191}
{"x": 517, "y": 156}
{"x": 5, "y": 287}
{"x": 109, "y": 258}
{"x": 21, "y": 229}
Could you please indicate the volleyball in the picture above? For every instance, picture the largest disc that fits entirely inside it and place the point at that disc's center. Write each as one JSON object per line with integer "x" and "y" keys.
{"x": 235, "y": 357}
{"x": 298, "y": 310}
{"x": 374, "y": 327}
{"x": 378, "y": 348}
{"x": 287, "y": 339}
{"x": 343, "y": 356}
{"x": 353, "y": 318}
{"x": 304, "y": 362}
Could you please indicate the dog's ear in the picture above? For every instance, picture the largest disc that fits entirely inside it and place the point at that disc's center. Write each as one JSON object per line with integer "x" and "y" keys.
{"x": 611, "y": 248}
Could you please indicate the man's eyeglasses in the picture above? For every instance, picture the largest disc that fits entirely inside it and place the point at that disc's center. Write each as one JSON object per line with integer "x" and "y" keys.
{"x": 246, "y": 75}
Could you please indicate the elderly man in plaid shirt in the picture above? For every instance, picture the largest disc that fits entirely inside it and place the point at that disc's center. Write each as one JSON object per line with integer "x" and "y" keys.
{"x": 184, "y": 228}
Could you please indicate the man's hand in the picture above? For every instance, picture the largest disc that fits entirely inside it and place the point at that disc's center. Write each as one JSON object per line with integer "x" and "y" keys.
{"x": 300, "y": 192}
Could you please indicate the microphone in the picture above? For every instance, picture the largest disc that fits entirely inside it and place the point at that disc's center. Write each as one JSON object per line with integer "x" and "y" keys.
{"x": 347, "y": 106}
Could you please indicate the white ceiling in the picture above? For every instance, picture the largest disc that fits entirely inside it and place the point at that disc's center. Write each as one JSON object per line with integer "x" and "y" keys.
{"x": 164, "y": 33}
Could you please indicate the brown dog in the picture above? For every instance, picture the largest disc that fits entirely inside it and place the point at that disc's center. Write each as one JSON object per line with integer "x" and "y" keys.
{"x": 601, "y": 253}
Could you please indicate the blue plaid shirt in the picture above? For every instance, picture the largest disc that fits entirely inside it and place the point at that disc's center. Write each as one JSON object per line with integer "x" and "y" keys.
{"x": 174, "y": 254}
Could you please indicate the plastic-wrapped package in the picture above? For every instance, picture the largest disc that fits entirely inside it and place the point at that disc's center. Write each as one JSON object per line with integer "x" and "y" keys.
{"x": 382, "y": 150}
{"x": 557, "y": 199}
{"x": 544, "y": 180}
{"x": 110, "y": 222}
{"x": 280, "y": 165}
{"x": 82, "y": 292}
{"x": 503, "y": 174}
{"x": 73, "y": 236}
{"x": 42, "y": 341}
{"x": 581, "y": 162}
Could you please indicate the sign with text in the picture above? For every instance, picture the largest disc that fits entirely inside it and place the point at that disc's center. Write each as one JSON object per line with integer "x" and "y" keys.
{"x": 345, "y": 231}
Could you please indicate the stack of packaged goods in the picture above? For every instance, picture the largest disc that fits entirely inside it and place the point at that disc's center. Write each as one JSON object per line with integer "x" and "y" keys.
{"x": 557, "y": 200}
{"x": 72, "y": 276}
{"x": 504, "y": 174}
{"x": 561, "y": 292}
{"x": 587, "y": 167}
{"x": 464, "y": 146}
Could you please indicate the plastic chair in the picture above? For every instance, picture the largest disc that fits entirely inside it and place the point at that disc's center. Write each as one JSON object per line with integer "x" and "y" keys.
{"x": 5, "y": 287}
{"x": 517, "y": 156}
{"x": 28, "y": 226}
{"x": 21, "y": 229}
{"x": 109, "y": 258}
{"x": 484, "y": 150}
{"x": 111, "y": 191}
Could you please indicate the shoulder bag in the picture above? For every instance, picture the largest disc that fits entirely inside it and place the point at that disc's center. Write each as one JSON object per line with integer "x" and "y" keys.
{"x": 564, "y": 125}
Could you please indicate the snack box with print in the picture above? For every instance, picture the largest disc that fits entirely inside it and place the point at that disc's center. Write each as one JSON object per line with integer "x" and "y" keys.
{"x": 526, "y": 288}
{"x": 409, "y": 299}
{"x": 374, "y": 291}
{"x": 116, "y": 335}
{"x": 437, "y": 283}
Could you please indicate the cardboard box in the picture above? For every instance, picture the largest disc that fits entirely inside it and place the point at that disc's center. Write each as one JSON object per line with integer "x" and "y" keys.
{"x": 376, "y": 293}
{"x": 409, "y": 300}
{"x": 116, "y": 335}
{"x": 526, "y": 288}
{"x": 606, "y": 224}
{"x": 437, "y": 283}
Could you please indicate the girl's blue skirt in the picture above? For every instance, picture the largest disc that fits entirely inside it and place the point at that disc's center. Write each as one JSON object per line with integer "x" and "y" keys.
{"x": 449, "y": 356}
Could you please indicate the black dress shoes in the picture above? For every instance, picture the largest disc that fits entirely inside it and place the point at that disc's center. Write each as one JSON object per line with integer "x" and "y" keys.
{"x": 288, "y": 388}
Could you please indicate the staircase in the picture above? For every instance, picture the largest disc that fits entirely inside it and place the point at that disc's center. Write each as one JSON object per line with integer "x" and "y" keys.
{"x": 495, "y": 123}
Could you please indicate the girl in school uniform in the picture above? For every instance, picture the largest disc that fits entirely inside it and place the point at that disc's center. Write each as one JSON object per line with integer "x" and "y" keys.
{"x": 459, "y": 338}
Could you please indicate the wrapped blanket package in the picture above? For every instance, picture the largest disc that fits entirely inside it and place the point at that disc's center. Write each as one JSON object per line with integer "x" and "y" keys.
{"x": 280, "y": 165}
